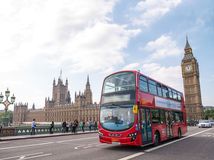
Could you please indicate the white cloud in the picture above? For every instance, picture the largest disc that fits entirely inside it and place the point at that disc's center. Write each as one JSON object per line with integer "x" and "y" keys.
{"x": 132, "y": 66}
{"x": 77, "y": 33}
{"x": 152, "y": 10}
{"x": 39, "y": 36}
{"x": 162, "y": 47}
{"x": 170, "y": 76}
{"x": 97, "y": 48}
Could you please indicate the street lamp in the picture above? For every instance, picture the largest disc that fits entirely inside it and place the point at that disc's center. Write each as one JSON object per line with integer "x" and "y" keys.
{"x": 6, "y": 103}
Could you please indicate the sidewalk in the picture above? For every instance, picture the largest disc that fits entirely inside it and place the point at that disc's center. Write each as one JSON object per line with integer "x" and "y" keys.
{"x": 8, "y": 138}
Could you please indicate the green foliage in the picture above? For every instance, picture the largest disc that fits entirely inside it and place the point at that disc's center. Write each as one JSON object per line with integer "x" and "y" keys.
{"x": 6, "y": 118}
{"x": 209, "y": 114}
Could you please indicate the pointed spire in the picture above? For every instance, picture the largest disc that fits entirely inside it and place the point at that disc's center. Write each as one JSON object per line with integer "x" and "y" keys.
{"x": 54, "y": 82}
{"x": 66, "y": 82}
{"x": 33, "y": 107}
{"x": 88, "y": 84}
{"x": 187, "y": 43}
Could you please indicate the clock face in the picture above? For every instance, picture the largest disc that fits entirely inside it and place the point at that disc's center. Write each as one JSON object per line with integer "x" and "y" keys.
{"x": 188, "y": 68}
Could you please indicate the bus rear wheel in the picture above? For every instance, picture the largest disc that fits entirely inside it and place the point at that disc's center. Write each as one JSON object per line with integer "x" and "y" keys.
{"x": 156, "y": 139}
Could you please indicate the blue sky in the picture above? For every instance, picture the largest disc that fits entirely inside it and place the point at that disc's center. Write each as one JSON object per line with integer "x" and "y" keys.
{"x": 98, "y": 37}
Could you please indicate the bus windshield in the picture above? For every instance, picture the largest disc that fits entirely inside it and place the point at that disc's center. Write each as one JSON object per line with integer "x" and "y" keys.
{"x": 123, "y": 81}
{"x": 116, "y": 117}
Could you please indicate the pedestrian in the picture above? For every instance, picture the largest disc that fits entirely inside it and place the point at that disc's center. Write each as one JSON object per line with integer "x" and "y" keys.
{"x": 82, "y": 126}
{"x": 95, "y": 125}
{"x": 75, "y": 125}
{"x": 71, "y": 127}
{"x": 63, "y": 127}
{"x": 90, "y": 125}
{"x": 67, "y": 126}
{"x": 51, "y": 127}
{"x": 33, "y": 127}
{"x": 0, "y": 129}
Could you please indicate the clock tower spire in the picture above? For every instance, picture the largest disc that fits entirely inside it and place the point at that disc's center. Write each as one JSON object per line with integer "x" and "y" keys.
{"x": 191, "y": 81}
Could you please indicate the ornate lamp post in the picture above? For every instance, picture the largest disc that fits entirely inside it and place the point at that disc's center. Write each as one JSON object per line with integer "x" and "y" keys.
{"x": 6, "y": 103}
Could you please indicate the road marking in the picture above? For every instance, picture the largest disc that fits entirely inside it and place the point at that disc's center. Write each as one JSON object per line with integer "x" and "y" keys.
{"x": 42, "y": 155}
{"x": 3, "y": 142}
{"x": 132, "y": 156}
{"x": 71, "y": 140}
{"x": 79, "y": 146}
{"x": 21, "y": 156}
{"x": 47, "y": 143}
{"x": 29, "y": 145}
{"x": 174, "y": 141}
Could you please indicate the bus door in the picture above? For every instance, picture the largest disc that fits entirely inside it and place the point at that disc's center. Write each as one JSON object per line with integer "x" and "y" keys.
{"x": 169, "y": 120}
{"x": 146, "y": 126}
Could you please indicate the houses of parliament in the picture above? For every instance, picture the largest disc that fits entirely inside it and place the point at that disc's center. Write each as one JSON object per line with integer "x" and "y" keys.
{"x": 60, "y": 107}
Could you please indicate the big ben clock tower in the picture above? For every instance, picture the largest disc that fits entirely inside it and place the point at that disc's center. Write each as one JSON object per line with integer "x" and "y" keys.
{"x": 190, "y": 74}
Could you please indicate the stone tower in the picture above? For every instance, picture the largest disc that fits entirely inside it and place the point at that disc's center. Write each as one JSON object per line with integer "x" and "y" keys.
{"x": 88, "y": 93}
{"x": 19, "y": 113}
{"x": 190, "y": 74}
{"x": 60, "y": 93}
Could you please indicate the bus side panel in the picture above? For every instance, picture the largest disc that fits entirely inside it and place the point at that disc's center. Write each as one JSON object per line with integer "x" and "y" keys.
{"x": 161, "y": 128}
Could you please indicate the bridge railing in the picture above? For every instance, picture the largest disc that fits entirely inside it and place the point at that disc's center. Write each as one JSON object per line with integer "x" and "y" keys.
{"x": 40, "y": 129}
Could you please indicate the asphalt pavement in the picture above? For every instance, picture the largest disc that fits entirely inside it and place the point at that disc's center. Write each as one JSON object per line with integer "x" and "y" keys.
{"x": 197, "y": 144}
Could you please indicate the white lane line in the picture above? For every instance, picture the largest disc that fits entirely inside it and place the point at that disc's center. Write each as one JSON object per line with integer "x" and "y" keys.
{"x": 174, "y": 141}
{"x": 29, "y": 145}
{"x": 42, "y": 155}
{"x": 71, "y": 140}
{"x": 87, "y": 147}
{"x": 32, "y": 154}
{"x": 47, "y": 143}
{"x": 3, "y": 142}
{"x": 132, "y": 156}
{"x": 79, "y": 146}
{"x": 22, "y": 157}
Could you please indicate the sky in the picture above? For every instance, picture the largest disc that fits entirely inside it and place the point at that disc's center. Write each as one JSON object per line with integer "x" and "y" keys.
{"x": 98, "y": 37}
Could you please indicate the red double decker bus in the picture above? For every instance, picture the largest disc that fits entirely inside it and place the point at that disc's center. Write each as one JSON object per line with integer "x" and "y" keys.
{"x": 138, "y": 110}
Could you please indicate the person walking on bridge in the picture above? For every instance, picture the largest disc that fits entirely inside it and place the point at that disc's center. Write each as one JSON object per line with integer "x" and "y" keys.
{"x": 33, "y": 126}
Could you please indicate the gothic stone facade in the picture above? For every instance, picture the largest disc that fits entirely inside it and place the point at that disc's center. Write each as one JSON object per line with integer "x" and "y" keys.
{"x": 60, "y": 108}
{"x": 191, "y": 81}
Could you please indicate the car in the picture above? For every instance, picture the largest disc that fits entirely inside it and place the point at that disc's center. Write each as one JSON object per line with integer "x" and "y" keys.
{"x": 212, "y": 122}
{"x": 204, "y": 124}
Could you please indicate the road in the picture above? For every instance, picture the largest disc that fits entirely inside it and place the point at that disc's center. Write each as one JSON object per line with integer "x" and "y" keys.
{"x": 198, "y": 144}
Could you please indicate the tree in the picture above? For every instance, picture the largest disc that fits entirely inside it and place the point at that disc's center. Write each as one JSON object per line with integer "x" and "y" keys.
{"x": 6, "y": 118}
{"x": 209, "y": 114}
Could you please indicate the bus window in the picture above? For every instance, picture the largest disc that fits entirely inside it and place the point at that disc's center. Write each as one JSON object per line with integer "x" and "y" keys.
{"x": 124, "y": 81}
{"x": 181, "y": 117}
{"x": 179, "y": 96}
{"x": 152, "y": 87}
{"x": 170, "y": 92}
{"x": 143, "y": 84}
{"x": 155, "y": 116}
{"x": 162, "y": 117}
{"x": 165, "y": 91}
{"x": 174, "y": 95}
{"x": 159, "y": 89}
{"x": 177, "y": 116}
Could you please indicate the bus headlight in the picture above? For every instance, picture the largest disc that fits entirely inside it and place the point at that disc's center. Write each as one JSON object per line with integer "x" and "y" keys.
{"x": 100, "y": 133}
